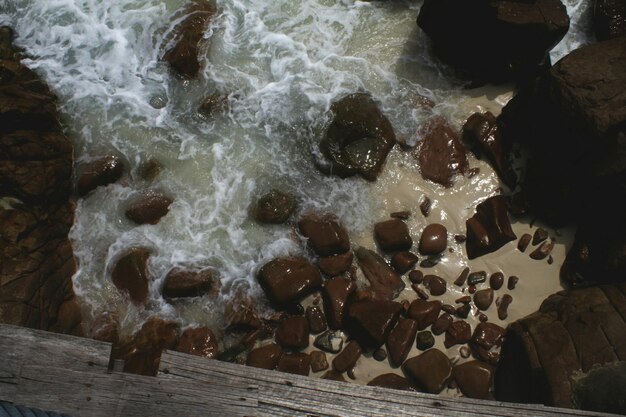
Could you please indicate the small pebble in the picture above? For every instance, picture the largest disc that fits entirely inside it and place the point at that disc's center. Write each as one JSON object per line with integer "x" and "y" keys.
{"x": 405, "y": 306}
{"x": 350, "y": 374}
{"x": 550, "y": 260}
{"x": 477, "y": 277}
{"x": 318, "y": 361}
{"x": 483, "y": 317}
{"x": 539, "y": 236}
{"x": 463, "y": 311}
{"x": 436, "y": 285}
{"x": 441, "y": 324}
{"x": 464, "y": 300}
{"x": 460, "y": 281}
{"x": 471, "y": 289}
{"x": 448, "y": 308}
{"x": 460, "y": 238}
{"x": 542, "y": 251}
{"x": 434, "y": 239}
{"x": 430, "y": 262}
{"x": 483, "y": 298}
{"x": 503, "y": 305}
{"x": 420, "y": 292}
{"x": 465, "y": 352}
{"x": 496, "y": 280}
{"x": 523, "y": 242}
{"x": 402, "y": 215}
{"x": 425, "y": 340}
{"x": 425, "y": 206}
{"x": 416, "y": 276}
{"x": 512, "y": 283}
{"x": 380, "y": 354}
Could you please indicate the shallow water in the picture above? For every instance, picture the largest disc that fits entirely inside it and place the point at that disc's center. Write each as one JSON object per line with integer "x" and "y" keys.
{"x": 282, "y": 64}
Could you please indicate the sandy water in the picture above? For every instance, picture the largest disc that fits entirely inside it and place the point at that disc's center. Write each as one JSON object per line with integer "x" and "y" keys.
{"x": 282, "y": 64}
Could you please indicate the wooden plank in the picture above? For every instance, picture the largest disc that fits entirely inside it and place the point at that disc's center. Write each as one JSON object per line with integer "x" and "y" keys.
{"x": 117, "y": 394}
{"x": 286, "y": 394}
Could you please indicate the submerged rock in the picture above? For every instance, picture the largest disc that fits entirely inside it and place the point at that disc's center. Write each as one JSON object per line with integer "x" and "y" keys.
{"x": 185, "y": 283}
{"x": 287, "y": 280}
{"x": 149, "y": 207}
{"x": 358, "y": 138}
{"x": 102, "y": 171}
{"x": 130, "y": 274}
{"x": 274, "y": 207}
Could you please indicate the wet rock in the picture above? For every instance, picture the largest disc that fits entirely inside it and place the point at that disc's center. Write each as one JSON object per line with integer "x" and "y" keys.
{"x": 358, "y": 139}
{"x": 371, "y": 321}
{"x": 458, "y": 333}
{"x": 130, "y": 274}
{"x": 512, "y": 282}
{"x": 333, "y": 375}
{"x": 148, "y": 208}
{"x": 199, "y": 341}
{"x": 463, "y": 311}
{"x": 274, "y": 207}
{"x": 185, "y": 283}
{"x": 496, "y": 280}
{"x": 183, "y": 56}
{"x": 380, "y": 354}
{"x": 460, "y": 281}
{"x": 460, "y": 238}
{"x": 424, "y": 340}
{"x": 481, "y": 130}
{"x": 424, "y": 312}
{"x": 474, "y": 378}
{"x": 294, "y": 363}
{"x": 542, "y": 251}
{"x": 241, "y": 313}
{"x": 384, "y": 281}
{"x": 486, "y": 342}
{"x": 477, "y": 277}
{"x": 318, "y": 361}
{"x": 149, "y": 169}
{"x": 337, "y": 295}
{"x": 403, "y": 262}
{"x": 329, "y": 342}
{"x": 402, "y": 215}
{"x": 539, "y": 236}
{"x": 142, "y": 353}
{"x": 293, "y": 333}
{"x": 102, "y": 171}
{"x": 265, "y": 357}
{"x": 609, "y": 19}
{"x": 348, "y": 357}
{"x": 430, "y": 261}
{"x": 520, "y": 35}
{"x": 213, "y": 104}
{"x": 434, "y": 239}
{"x": 392, "y": 381}
{"x": 436, "y": 285}
{"x": 392, "y": 235}
{"x": 490, "y": 228}
{"x": 326, "y": 236}
{"x": 483, "y": 298}
{"x": 430, "y": 371}
{"x": 441, "y": 324}
{"x": 425, "y": 206}
{"x": 440, "y": 154}
{"x": 420, "y": 292}
{"x": 523, "y": 242}
{"x": 316, "y": 319}
{"x": 400, "y": 340}
{"x": 337, "y": 264}
{"x": 416, "y": 276}
{"x": 503, "y": 305}
{"x": 289, "y": 279}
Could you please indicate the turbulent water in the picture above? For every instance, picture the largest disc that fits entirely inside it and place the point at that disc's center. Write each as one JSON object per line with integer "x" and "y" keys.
{"x": 281, "y": 62}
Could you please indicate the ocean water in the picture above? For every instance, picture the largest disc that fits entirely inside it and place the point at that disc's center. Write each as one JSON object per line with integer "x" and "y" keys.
{"x": 281, "y": 63}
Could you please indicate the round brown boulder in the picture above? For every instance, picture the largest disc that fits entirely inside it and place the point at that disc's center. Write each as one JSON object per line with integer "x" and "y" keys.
{"x": 326, "y": 235}
{"x": 130, "y": 274}
{"x": 287, "y": 280}
{"x": 102, "y": 171}
{"x": 274, "y": 207}
{"x": 149, "y": 207}
{"x": 199, "y": 341}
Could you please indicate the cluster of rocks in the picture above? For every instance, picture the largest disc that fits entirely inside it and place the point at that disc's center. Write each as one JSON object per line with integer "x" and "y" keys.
{"x": 36, "y": 209}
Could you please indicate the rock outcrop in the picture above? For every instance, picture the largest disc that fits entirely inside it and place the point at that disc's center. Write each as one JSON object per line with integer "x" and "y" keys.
{"x": 36, "y": 211}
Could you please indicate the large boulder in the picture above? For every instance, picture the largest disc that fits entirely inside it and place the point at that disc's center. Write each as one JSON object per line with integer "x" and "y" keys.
{"x": 287, "y": 280}
{"x": 326, "y": 235}
{"x": 358, "y": 138}
{"x": 130, "y": 274}
{"x": 494, "y": 40}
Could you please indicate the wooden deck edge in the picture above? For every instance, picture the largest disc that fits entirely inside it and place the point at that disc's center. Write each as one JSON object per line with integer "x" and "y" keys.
{"x": 70, "y": 375}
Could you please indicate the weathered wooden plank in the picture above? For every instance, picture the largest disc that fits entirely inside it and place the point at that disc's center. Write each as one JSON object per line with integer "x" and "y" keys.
{"x": 117, "y": 394}
{"x": 303, "y": 396}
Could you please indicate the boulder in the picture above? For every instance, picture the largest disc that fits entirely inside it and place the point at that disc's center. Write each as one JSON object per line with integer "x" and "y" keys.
{"x": 130, "y": 274}
{"x": 358, "y": 138}
{"x": 186, "y": 283}
{"x": 149, "y": 207}
{"x": 494, "y": 41}
{"x": 424, "y": 312}
{"x": 384, "y": 281}
{"x": 474, "y": 378}
{"x": 326, "y": 235}
{"x": 430, "y": 370}
{"x": 183, "y": 48}
{"x": 392, "y": 235}
{"x": 295, "y": 363}
{"x": 289, "y": 279}
{"x": 440, "y": 153}
{"x": 265, "y": 357}
{"x": 336, "y": 264}
{"x": 199, "y": 341}
{"x": 337, "y": 295}
{"x": 293, "y": 333}
{"x": 348, "y": 357}
{"x": 490, "y": 228}
{"x": 400, "y": 340}
{"x": 392, "y": 381}
{"x": 609, "y": 18}
{"x": 371, "y": 321}
{"x": 274, "y": 207}
{"x": 102, "y": 171}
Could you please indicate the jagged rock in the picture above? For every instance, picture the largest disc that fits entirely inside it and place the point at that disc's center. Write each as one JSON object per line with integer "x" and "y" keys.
{"x": 400, "y": 340}
{"x": 336, "y": 264}
{"x": 358, "y": 138}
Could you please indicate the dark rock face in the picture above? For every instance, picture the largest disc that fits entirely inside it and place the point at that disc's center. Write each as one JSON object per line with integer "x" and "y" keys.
{"x": 36, "y": 258}
{"x": 490, "y": 228}
{"x": 392, "y": 235}
{"x": 400, "y": 340}
{"x": 384, "y": 281}
{"x": 295, "y": 363}
{"x": 440, "y": 154}
{"x": 102, "y": 171}
{"x": 348, "y": 357}
{"x": 474, "y": 378}
{"x": 265, "y": 357}
{"x": 274, "y": 207}
{"x": 185, "y": 283}
{"x": 337, "y": 264}
{"x": 392, "y": 381}
{"x": 293, "y": 333}
{"x": 481, "y": 131}
{"x": 358, "y": 139}
{"x": 130, "y": 274}
{"x": 430, "y": 371}
{"x": 199, "y": 341}
{"x": 519, "y": 34}
{"x": 149, "y": 207}
{"x": 609, "y": 19}
{"x": 573, "y": 331}
{"x": 326, "y": 235}
{"x": 287, "y": 280}
{"x": 183, "y": 55}
{"x": 337, "y": 294}
{"x": 602, "y": 389}
{"x": 371, "y": 321}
